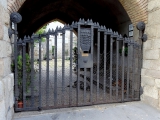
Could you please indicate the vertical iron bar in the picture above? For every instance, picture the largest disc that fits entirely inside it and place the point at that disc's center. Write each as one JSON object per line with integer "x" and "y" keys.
{"x": 40, "y": 100}
{"x": 24, "y": 75}
{"x": 78, "y": 72}
{"x": 139, "y": 68}
{"x": 55, "y": 72}
{"x": 117, "y": 67}
{"x": 84, "y": 93}
{"x": 128, "y": 70}
{"x": 91, "y": 75}
{"x": 47, "y": 70}
{"x": 63, "y": 65}
{"x": 70, "y": 82}
{"x": 32, "y": 73}
{"x": 98, "y": 62}
{"x": 16, "y": 70}
{"x": 122, "y": 86}
{"x": 133, "y": 77}
{"x": 111, "y": 55}
{"x": 105, "y": 50}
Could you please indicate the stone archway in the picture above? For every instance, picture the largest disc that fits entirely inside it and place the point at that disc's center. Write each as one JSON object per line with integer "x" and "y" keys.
{"x": 136, "y": 9}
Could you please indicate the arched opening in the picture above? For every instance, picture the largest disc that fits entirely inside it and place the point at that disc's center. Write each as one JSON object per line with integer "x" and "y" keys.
{"x": 37, "y": 13}
{"x": 99, "y": 67}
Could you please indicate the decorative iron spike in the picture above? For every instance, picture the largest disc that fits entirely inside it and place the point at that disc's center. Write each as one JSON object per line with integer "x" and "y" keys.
{"x": 76, "y": 23}
{"x": 80, "y": 20}
{"x": 20, "y": 40}
{"x": 88, "y": 20}
{"x": 91, "y": 21}
{"x": 52, "y": 30}
{"x": 60, "y": 28}
{"x": 25, "y": 37}
{"x": 116, "y": 33}
{"x": 111, "y": 31}
{"x": 104, "y": 27}
{"x": 57, "y": 28}
{"x": 49, "y": 30}
{"x": 101, "y": 27}
{"x": 29, "y": 37}
{"x": 83, "y": 20}
{"x": 120, "y": 36}
{"x": 97, "y": 24}
{"x": 73, "y": 23}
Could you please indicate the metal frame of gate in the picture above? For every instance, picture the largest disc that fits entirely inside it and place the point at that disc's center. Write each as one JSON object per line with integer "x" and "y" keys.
{"x": 104, "y": 76}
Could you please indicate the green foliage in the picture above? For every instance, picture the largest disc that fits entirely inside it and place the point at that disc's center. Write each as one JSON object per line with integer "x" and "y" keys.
{"x": 125, "y": 51}
{"x": 41, "y": 31}
{"x": 75, "y": 54}
{"x": 53, "y": 50}
{"x": 20, "y": 73}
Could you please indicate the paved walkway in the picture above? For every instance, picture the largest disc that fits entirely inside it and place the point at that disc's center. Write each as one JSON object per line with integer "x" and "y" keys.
{"x": 120, "y": 111}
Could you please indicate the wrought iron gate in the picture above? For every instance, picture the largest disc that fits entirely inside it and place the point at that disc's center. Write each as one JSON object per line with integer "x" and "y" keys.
{"x": 103, "y": 67}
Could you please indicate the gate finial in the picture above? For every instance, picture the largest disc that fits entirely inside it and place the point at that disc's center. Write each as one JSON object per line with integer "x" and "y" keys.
{"x": 15, "y": 17}
{"x": 141, "y": 27}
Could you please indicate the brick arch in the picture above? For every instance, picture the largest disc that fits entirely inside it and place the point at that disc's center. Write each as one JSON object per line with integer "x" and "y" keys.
{"x": 136, "y": 9}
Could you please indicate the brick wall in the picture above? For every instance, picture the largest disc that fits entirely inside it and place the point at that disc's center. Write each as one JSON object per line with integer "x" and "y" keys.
{"x": 136, "y": 9}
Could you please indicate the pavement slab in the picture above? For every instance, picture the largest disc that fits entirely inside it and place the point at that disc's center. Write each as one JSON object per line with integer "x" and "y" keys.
{"x": 119, "y": 111}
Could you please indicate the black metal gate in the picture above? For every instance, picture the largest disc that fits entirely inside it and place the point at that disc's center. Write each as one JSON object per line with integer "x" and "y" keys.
{"x": 103, "y": 67}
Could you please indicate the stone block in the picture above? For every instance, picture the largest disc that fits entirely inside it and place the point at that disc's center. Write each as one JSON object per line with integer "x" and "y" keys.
{"x": 6, "y": 98}
{"x": 11, "y": 99}
{"x": 151, "y": 54}
{"x": 1, "y": 91}
{"x": 145, "y": 80}
{"x": 1, "y": 31}
{"x": 10, "y": 114}
{"x": 6, "y": 37}
{"x": 3, "y": 52}
{"x": 6, "y": 18}
{"x": 143, "y": 71}
{"x": 157, "y": 83}
{"x": 156, "y": 43}
{"x": 152, "y": 73}
{"x": 149, "y": 100}
{"x": 152, "y": 16}
{"x": 151, "y": 31}
{"x": 2, "y": 68}
{"x": 148, "y": 44}
{"x": 151, "y": 64}
{"x": 7, "y": 66}
{"x": 2, "y": 110}
{"x": 151, "y": 91}
{"x": 12, "y": 79}
{"x": 4, "y": 3}
{"x": 153, "y": 5}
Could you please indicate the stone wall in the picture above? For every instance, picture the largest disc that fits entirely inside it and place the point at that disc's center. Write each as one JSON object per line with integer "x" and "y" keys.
{"x": 151, "y": 58}
{"x": 6, "y": 78}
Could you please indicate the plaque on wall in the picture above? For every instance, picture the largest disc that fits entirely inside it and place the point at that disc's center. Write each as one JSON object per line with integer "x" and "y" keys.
{"x": 130, "y": 27}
